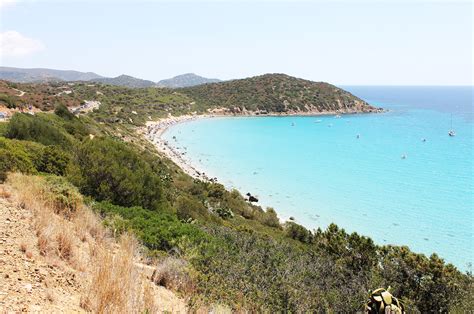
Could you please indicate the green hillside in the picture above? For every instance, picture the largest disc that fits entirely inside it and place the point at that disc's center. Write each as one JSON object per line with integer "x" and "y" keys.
{"x": 237, "y": 254}
{"x": 275, "y": 93}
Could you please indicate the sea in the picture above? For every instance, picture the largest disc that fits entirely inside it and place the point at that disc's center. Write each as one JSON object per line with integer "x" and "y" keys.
{"x": 396, "y": 176}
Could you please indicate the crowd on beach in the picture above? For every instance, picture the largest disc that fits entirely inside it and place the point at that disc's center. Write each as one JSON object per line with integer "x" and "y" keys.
{"x": 154, "y": 133}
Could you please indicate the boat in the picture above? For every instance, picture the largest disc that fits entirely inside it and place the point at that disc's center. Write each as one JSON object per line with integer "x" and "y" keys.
{"x": 404, "y": 156}
{"x": 452, "y": 132}
{"x": 318, "y": 121}
{"x": 292, "y": 124}
{"x": 358, "y": 135}
{"x": 337, "y": 116}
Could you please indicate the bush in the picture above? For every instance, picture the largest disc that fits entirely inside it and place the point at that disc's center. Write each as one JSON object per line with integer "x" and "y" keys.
{"x": 18, "y": 156}
{"x": 113, "y": 171}
{"x": 156, "y": 230}
{"x": 63, "y": 112}
{"x": 54, "y": 160}
{"x": 270, "y": 218}
{"x": 188, "y": 208}
{"x": 24, "y": 126}
{"x": 10, "y": 103}
{"x": 65, "y": 197}
{"x": 298, "y": 232}
{"x": 175, "y": 274}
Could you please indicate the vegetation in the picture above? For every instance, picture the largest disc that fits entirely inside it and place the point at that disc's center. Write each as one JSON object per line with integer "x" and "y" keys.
{"x": 270, "y": 93}
{"x": 125, "y": 80}
{"x": 8, "y": 101}
{"x": 274, "y": 93}
{"x": 236, "y": 253}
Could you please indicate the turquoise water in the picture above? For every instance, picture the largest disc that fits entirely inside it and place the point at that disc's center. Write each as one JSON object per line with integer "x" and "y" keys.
{"x": 320, "y": 172}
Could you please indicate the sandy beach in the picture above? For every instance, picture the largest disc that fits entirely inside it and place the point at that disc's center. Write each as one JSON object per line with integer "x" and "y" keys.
{"x": 154, "y": 132}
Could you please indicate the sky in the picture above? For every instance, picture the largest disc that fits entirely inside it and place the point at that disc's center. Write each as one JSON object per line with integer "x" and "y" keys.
{"x": 341, "y": 42}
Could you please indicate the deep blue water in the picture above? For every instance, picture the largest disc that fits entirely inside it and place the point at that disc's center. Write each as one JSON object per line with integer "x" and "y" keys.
{"x": 319, "y": 172}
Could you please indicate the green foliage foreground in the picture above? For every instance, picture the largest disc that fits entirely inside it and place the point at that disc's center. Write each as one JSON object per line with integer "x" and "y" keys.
{"x": 242, "y": 255}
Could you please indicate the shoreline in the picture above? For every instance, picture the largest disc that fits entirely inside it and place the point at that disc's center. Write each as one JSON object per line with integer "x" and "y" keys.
{"x": 154, "y": 131}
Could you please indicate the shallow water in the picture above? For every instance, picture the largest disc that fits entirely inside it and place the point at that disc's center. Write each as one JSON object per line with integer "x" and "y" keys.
{"x": 317, "y": 170}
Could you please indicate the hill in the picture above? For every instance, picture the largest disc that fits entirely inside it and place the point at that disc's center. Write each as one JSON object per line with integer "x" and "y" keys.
{"x": 219, "y": 248}
{"x": 44, "y": 75}
{"x": 185, "y": 80}
{"x": 275, "y": 93}
{"x": 125, "y": 80}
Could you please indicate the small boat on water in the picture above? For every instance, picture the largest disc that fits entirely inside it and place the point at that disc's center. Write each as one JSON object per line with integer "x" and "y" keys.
{"x": 292, "y": 124}
{"x": 404, "y": 156}
{"x": 451, "y": 132}
{"x": 358, "y": 135}
{"x": 318, "y": 121}
{"x": 337, "y": 116}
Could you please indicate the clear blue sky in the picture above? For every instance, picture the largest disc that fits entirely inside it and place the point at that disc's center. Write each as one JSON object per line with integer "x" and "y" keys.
{"x": 343, "y": 42}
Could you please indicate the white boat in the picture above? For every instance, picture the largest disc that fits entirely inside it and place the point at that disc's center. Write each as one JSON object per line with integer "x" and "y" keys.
{"x": 318, "y": 121}
{"x": 404, "y": 156}
{"x": 337, "y": 116}
{"x": 452, "y": 132}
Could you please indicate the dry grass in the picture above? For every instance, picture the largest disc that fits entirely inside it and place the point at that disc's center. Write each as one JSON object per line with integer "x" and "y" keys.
{"x": 174, "y": 274}
{"x": 117, "y": 285}
{"x": 4, "y": 193}
{"x": 69, "y": 232}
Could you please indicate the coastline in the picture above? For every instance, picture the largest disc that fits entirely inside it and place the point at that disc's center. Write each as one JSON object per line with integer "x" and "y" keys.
{"x": 154, "y": 131}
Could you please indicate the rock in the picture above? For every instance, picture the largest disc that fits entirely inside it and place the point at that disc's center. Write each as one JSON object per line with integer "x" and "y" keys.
{"x": 253, "y": 199}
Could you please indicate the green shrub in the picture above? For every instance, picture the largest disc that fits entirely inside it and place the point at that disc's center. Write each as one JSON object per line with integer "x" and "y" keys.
{"x": 18, "y": 156}
{"x": 63, "y": 112}
{"x": 298, "y": 232}
{"x": 188, "y": 208}
{"x": 113, "y": 171}
{"x": 65, "y": 197}
{"x": 270, "y": 218}
{"x": 54, "y": 160}
{"x": 156, "y": 230}
{"x": 24, "y": 126}
{"x": 8, "y": 101}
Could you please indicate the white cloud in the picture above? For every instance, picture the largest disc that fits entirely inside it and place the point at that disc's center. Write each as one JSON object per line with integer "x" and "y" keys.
{"x": 4, "y": 3}
{"x": 14, "y": 44}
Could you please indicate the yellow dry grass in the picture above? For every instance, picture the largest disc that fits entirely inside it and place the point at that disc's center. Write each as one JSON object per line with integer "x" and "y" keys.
{"x": 113, "y": 282}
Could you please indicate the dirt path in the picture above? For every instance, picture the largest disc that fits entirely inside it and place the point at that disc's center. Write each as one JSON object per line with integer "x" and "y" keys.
{"x": 20, "y": 91}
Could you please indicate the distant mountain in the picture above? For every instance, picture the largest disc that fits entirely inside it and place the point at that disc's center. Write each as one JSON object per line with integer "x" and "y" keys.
{"x": 274, "y": 94}
{"x": 125, "y": 80}
{"x": 44, "y": 75}
{"x": 185, "y": 80}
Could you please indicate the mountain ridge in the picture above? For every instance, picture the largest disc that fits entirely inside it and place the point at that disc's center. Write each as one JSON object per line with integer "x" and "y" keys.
{"x": 125, "y": 80}
{"x": 43, "y": 75}
{"x": 30, "y": 75}
{"x": 186, "y": 80}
